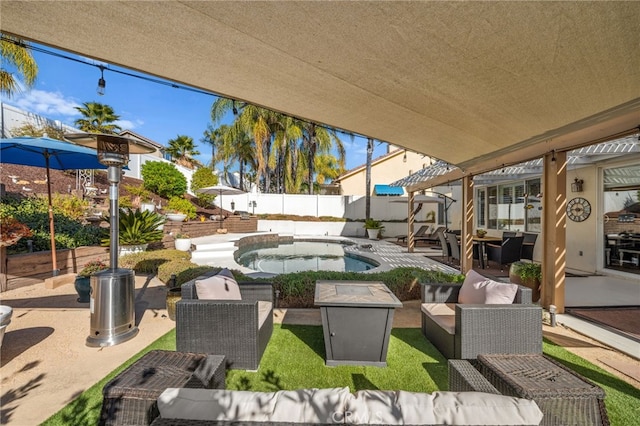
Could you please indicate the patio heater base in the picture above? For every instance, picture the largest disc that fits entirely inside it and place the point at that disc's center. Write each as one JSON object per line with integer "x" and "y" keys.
{"x": 112, "y": 307}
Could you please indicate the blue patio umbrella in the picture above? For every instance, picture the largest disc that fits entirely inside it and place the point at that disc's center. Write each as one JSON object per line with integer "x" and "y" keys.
{"x": 50, "y": 154}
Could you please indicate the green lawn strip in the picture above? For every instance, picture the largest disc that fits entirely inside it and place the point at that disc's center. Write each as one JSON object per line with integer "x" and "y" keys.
{"x": 621, "y": 399}
{"x": 294, "y": 359}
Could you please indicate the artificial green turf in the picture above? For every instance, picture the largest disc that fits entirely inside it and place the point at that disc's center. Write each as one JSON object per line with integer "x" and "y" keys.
{"x": 295, "y": 359}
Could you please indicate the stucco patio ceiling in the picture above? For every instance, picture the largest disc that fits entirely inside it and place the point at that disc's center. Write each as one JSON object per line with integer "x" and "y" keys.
{"x": 477, "y": 84}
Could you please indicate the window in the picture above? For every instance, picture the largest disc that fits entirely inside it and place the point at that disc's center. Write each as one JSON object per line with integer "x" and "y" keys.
{"x": 533, "y": 206}
{"x": 511, "y": 207}
{"x": 481, "y": 205}
{"x": 492, "y": 199}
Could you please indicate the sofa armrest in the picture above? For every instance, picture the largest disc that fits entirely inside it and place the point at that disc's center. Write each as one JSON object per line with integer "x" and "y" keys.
{"x": 524, "y": 296}
{"x": 509, "y": 328}
{"x": 440, "y": 292}
{"x": 256, "y": 291}
{"x": 250, "y": 291}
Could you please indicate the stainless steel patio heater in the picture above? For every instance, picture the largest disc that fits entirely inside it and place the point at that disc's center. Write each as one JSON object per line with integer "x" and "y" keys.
{"x": 112, "y": 300}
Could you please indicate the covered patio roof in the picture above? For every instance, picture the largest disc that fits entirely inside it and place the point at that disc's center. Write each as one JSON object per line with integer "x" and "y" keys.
{"x": 476, "y": 84}
{"x": 625, "y": 177}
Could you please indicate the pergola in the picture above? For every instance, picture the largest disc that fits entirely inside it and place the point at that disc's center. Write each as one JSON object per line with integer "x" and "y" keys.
{"x": 479, "y": 85}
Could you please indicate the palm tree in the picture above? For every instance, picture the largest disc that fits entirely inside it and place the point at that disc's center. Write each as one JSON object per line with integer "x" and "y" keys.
{"x": 15, "y": 53}
{"x": 319, "y": 140}
{"x": 238, "y": 146}
{"x": 182, "y": 149}
{"x": 97, "y": 118}
{"x": 255, "y": 121}
{"x": 214, "y": 137}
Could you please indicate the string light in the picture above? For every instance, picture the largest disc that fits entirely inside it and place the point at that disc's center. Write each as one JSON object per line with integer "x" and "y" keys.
{"x": 101, "y": 83}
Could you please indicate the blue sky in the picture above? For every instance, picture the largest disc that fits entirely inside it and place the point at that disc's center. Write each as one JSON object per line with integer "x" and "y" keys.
{"x": 153, "y": 110}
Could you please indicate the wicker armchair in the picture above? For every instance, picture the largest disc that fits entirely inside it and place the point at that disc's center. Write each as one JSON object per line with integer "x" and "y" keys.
{"x": 483, "y": 328}
{"x": 237, "y": 329}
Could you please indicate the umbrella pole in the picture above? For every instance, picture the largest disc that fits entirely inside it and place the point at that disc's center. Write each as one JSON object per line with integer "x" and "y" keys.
{"x": 52, "y": 231}
{"x": 220, "y": 227}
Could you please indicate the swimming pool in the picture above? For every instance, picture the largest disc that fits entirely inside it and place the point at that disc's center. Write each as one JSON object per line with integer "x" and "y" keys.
{"x": 282, "y": 258}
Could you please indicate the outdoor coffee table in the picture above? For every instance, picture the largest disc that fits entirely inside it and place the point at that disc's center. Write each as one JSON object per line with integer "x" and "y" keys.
{"x": 565, "y": 397}
{"x": 357, "y": 317}
{"x": 130, "y": 397}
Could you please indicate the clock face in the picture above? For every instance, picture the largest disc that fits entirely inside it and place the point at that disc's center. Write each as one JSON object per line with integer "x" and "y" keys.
{"x": 578, "y": 209}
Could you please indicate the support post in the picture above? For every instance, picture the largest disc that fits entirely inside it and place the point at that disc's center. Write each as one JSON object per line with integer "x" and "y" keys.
{"x": 554, "y": 226}
{"x": 466, "y": 235}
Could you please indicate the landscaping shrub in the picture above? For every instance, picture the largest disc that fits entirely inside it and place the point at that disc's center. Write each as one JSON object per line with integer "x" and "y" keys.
{"x": 202, "y": 178}
{"x": 297, "y": 290}
{"x": 33, "y": 211}
{"x": 164, "y": 179}
{"x": 181, "y": 205}
{"x": 148, "y": 262}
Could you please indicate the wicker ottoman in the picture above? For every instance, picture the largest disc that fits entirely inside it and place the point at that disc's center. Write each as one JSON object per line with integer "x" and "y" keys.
{"x": 565, "y": 397}
{"x": 130, "y": 397}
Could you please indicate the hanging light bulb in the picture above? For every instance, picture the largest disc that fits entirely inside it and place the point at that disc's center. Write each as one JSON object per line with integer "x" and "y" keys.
{"x": 404, "y": 158}
{"x": 234, "y": 109}
{"x": 101, "y": 83}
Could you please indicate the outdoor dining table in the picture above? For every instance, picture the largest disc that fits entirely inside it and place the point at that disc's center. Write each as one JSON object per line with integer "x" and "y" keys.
{"x": 482, "y": 241}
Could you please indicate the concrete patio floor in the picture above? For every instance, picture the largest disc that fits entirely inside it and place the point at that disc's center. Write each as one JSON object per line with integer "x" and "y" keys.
{"x": 44, "y": 362}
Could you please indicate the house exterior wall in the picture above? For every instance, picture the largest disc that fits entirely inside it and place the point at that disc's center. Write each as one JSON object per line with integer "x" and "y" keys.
{"x": 383, "y": 171}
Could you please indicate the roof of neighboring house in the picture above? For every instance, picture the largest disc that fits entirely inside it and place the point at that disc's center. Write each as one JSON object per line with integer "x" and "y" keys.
{"x": 142, "y": 138}
{"x": 375, "y": 161}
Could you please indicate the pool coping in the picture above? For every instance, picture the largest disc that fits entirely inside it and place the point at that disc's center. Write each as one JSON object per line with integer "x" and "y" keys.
{"x": 384, "y": 252}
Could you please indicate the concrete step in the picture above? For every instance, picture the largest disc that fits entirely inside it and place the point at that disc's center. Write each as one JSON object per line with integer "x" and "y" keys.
{"x": 221, "y": 246}
{"x": 210, "y": 254}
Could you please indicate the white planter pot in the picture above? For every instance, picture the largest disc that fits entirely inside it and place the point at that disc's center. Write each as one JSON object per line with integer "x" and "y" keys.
{"x": 149, "y": 207}
{"x": 183, "y": 244}
{"x": 177, "y": 217}
{"x": 373, "y": 233}
{"x": 137, "y": 248}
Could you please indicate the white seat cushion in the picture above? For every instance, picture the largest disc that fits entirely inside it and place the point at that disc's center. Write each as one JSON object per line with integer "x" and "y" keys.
{"x": 375, "y": 407}
{"x": 305, "y": 406}
{"x": 443, "y": 314}
{"x": 478, "y": 408}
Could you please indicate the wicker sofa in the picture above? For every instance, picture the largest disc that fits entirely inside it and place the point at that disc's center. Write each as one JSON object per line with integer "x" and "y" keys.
{"x": 238, "y": 329}
{"x": 463, "y": 331}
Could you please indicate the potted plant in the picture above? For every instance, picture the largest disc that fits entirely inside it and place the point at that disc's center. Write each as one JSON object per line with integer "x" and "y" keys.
{"x": 481, "y": 232}
{"x": 182, "y": 242}
{"x": 528, "y": 274}
{"x": 175, "y": 215}
{"x": 82, "y": 283}
{"x": 137, "y": 229}
{"x": 180, "y": 209}
{"x": 374, "y": 228}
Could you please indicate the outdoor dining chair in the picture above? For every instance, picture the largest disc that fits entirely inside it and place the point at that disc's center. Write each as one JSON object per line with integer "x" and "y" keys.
{"x": 528, "y": 244}
{"x": 505, "y": 253}
{"x": 445, "y": 246}
{"x": 454, "y": 246}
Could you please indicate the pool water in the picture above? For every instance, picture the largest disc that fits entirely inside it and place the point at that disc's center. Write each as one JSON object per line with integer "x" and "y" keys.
{"x": 301, "y": 256}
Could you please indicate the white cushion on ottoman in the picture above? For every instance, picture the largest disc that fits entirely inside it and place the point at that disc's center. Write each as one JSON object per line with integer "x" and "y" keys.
{"x": 479, "y": 408}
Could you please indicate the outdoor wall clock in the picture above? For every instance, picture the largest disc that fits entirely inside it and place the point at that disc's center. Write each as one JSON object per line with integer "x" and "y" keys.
{"x": 578, "y": 209}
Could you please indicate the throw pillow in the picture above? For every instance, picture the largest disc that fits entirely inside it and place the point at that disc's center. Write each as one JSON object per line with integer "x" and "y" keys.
{"x": 219, "y": 287}
{"x": 499, "y": 293}
{"x": 470, "y": 293}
